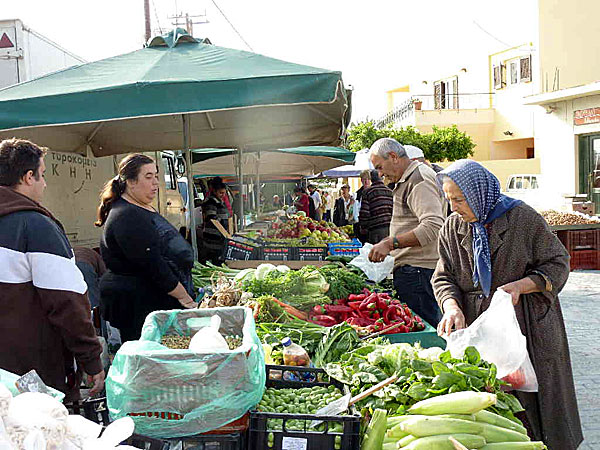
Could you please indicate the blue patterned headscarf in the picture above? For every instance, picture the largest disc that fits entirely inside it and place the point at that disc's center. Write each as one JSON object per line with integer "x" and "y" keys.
{"x": 482, "y": 192}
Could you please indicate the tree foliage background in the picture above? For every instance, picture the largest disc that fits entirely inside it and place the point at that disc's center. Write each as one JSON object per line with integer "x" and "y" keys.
{"x": 443, "y": 143}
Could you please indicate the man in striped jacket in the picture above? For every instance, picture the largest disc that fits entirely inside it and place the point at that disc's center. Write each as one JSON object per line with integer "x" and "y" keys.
{"x": 45, "y": 322}
{"x": 376, "y": 209}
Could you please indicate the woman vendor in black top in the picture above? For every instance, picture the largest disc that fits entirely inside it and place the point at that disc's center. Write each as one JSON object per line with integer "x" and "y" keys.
{"x": 149, "y": 263}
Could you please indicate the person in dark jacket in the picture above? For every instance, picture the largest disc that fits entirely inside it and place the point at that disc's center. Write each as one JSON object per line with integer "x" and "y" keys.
{"x": 149, "y": 263}
{"x": 343, "y": 211}
{"x": 45, "y": 320}
{"x": 214, "y": 208}
{"x": 376, "y": 209}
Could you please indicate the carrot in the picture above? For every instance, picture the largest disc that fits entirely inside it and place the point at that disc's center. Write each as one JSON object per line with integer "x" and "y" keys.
{"x": 291, "y": 310}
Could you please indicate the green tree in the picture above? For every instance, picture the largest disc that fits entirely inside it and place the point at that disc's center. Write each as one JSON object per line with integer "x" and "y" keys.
{"x": 445, "y": 143}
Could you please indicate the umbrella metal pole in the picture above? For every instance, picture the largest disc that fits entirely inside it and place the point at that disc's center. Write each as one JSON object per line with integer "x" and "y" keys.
{"x": 241, "y": 180}
{"x": 258, "y": 183}
{"x": 190, "y": 183}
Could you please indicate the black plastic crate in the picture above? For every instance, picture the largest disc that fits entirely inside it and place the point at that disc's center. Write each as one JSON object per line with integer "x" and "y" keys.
{"x": 97, "y": 411}
{"x": 260, "y": 437}
{"x": 92, "y": 409}
{"x": 238, "y": 250}
{"x": 310, "y": 253}
{"x": 276, "y": 253}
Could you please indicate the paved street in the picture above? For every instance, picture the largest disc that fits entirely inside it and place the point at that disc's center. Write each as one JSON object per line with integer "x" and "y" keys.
{"x": 580, "y": 301}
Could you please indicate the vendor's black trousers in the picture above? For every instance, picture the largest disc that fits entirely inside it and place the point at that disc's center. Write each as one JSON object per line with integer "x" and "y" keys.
{"x": 413, "y": 286}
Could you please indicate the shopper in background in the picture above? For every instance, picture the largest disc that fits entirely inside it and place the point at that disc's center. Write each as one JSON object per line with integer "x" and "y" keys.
{"x": 276, "y": 203}
{"x": 316, "y": 199}
{"x": 416, "y": 221}
{"x": 329, "y": 202}
{"x": 365, "y": 179}
{"x": 302, "y": 201}
{"x": 149, "y": 263}
{"x": 416, "y": 154}
{"x": 46, "y": 315}
{"x": 494, "y": 242}
{"x": 343, "y": 213}
{"x": 376, "y": 210}
{"x": 214, "y": 208}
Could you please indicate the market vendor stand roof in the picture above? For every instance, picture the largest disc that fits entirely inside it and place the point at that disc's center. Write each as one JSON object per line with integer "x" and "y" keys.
{"x": 178, "y": 92}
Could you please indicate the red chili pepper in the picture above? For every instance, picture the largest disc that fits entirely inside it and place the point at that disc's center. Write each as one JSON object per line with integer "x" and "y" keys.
{"x": 355, "y": 297}
{"x": 366, "y": 292}
{"x": 337, "y": 309}
{"x": 395, "y": 302}
{"x": 318, "y": 309}
{"x": 382, "y": 303}
{"x": 355, "y": 305}
{"x": 389, "y": 316}
{"x": 403, "y": 329}
{"x": 372, "y": 306}
{"x": 325, "y": 320}
{"x": 369, "y": 300}
{"x": 385, "y": 295}
{"x": 376, "y": 315}
{"x": 407, "y": 311}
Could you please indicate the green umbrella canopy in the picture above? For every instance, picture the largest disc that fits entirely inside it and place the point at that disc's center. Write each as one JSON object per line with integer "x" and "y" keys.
{"x": 288, "y": 161}
{"x": 135, "y": 102}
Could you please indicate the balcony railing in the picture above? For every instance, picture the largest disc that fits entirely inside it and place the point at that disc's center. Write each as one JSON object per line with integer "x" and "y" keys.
{"x": 430, "y": 102}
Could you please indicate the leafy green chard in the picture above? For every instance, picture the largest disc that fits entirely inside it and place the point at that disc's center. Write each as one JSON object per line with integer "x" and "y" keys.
{"x": 419, "y": 378}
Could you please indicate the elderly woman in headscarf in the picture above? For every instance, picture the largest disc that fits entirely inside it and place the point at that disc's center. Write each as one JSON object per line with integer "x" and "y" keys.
{"x": 494, "y": 242}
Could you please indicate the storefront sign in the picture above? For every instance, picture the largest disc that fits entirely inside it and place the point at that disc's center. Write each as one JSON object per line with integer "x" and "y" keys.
{"x": 586, "y": 116}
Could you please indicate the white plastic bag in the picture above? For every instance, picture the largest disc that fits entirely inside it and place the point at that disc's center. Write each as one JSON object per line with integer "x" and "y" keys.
{"x": 497, "y": 336}
{"x": 374, "y": 271}
{"x": 208, "y": 339}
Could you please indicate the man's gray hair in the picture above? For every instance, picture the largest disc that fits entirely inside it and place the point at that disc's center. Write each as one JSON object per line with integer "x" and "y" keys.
{"x": 384, "y": 146}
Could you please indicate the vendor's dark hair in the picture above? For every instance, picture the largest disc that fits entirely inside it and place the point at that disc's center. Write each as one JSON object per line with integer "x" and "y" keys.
{"x": 129, "y": 169}
{"x": 375, "y": 176}
{"x": 17, "y": 157}
{"x": 216, "y": 183}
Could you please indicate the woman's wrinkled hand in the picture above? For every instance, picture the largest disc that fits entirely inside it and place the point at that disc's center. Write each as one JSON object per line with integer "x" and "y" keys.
{"x": 453, "y": 318}
{"x": 514, "y": 289}
{"x": 187, "y": 302}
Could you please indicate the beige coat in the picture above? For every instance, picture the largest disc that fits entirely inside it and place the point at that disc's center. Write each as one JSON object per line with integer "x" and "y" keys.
{"x": 521, "y": 244}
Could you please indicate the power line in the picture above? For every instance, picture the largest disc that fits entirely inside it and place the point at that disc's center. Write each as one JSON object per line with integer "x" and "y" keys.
{"x": 157, "y": 19}
{"x": 491, "y": 35}
{"x": 229, "y": 22}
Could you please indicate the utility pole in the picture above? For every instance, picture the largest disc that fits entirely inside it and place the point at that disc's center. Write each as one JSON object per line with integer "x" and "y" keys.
{"x": 147, "y": 19}
{"x": 188, "y": 21}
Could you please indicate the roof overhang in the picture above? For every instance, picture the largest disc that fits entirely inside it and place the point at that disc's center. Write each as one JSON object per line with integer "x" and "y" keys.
{"x": 562, "y": 95}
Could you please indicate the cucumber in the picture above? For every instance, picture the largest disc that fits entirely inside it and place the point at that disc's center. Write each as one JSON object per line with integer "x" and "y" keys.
{"x": 406, "y": 440}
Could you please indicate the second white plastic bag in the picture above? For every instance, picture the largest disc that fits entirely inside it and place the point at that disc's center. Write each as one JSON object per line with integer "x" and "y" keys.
{"x": 497, "y": 336}
{"x": 374, "y": 271}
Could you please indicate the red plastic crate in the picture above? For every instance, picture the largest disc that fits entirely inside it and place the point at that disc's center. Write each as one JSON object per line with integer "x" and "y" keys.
{"x": 585, "y": 259}
{"x": 575, "y": 240}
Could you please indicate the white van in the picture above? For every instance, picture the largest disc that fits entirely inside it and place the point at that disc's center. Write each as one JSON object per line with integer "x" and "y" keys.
{"x": 74, "y": 186}
{"x": 530, "y": 189}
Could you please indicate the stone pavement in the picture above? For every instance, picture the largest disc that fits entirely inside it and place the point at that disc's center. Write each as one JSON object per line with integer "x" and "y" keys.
{"x": 580, "y": 301}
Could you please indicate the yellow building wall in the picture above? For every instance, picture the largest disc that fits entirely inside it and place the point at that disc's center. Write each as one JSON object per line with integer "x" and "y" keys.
{"x": 504, "y": 168}
{"x": 569, "y": 42}
{"x": 513, "y": 149}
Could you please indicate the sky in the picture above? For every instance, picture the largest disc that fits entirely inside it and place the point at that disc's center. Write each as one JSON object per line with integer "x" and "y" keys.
{"x": 377, "y": 44}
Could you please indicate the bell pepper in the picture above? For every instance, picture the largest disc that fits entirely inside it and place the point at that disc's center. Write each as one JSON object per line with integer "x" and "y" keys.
{"x": 356, "y": 297}
{"x": 382, "y": 303}
{"x": 376, "y": 315}
{"x": 355, "y": 305}
{"x": 369, "y": 300}
{"x": 318, "y": 309}
{"x": 403, "y": 329}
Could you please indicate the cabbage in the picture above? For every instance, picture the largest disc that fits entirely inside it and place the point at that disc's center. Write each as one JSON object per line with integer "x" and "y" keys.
{"x": 283, "y": 268}
{"x": 245, "y": 275}
{"x": 430, "y": 354}
{"x": 263, "y": 270}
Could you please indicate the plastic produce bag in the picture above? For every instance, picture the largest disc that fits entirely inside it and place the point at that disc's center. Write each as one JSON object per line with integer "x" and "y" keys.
{"x": 497, "y": 336}
{"x": 374, "y": 271}
{"x": 175, "y": 393}
{"x": 208, "y": 339}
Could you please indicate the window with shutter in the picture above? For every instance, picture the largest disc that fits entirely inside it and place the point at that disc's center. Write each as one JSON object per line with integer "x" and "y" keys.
{"x": 455, "y": 93}
{"x": 497, "y": 77}
{"x": 525, "y": 64}
{"x": 514, "y": 76}
{"x": 437, "y": 95}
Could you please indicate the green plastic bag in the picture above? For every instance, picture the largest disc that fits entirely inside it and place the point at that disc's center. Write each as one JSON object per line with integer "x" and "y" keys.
{"x": 174, "y": 393}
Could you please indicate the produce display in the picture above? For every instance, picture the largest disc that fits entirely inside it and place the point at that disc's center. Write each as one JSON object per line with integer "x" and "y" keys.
{"x": 298, "y": 401}
{"x": 343, "y": 281}
{"x": 422, "y": 374}
{"x": 562, "y": 218}
{"x": 461, "y": 416}
{"x": 369, "y": 312}
{"x": 301, "y": 231}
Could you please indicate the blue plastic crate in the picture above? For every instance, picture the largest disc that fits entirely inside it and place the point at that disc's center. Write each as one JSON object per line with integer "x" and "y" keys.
{"x": 345, "y": 248}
